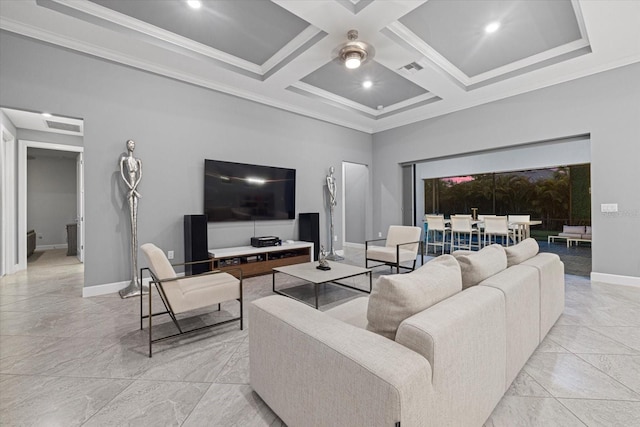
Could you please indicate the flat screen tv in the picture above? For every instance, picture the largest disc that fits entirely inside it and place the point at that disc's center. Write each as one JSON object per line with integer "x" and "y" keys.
{"x": 243, "y": 192}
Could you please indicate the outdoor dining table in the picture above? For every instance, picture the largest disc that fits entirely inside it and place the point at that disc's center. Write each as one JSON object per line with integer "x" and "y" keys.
{"x": 523, "y": 230}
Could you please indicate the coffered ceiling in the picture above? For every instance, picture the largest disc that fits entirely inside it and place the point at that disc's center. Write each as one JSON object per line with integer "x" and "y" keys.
{"x": 428, "y": 58}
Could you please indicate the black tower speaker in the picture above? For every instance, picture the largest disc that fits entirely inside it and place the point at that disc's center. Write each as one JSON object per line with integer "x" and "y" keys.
{"x": 196, "y": 247}
{"x": 309, "y": 230}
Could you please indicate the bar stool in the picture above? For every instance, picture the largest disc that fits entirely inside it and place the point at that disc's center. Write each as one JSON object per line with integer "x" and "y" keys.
{"x": 497, "y": 226}
{"x": 462, "y": 232}
{"x": 436, "y": 228}
{"x": 519, "y": 224}
{"x": 481, "y": 225}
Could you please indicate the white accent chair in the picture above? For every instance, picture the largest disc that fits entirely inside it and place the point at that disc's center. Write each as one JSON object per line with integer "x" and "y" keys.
{"x": 182, "y": 294}
{"x": 462, "y": 232}
{"x": 402, "y": 244}
{"x": 436, "y": 227}
{"x": 497, "y": 226}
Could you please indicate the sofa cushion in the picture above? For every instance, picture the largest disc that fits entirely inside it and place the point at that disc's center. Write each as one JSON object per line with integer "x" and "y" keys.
{"x": 396, "y": 297}
{"x": 573, "y": 229}
{"x": 521, "y": 290}
{"x": 570, "y": 235}
{"x": 524, "y": 250}
{"x": 551, "y": 281}
{"x": 388, "y": 254}
{"x": 353, "y": 312}
{"x": 477, "y": 266}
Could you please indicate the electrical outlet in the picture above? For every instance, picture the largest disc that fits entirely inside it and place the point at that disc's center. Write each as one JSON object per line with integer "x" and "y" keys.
{"x": 609, "y": 207}
{"x": 335, "y": 238}
{"x": 379, "y": 233}
{"x": 170, "y": 254}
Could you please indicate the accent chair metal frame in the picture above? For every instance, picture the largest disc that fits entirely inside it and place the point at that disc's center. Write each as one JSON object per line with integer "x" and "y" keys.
{"x": 397, "y": 262}
{"x": 160, "y": 283}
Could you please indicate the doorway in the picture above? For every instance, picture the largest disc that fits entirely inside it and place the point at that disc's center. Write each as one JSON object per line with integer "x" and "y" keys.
{"x": 354, "y": 198}
{"x": 65, "y": 161}
{"x": 60, "y": 137}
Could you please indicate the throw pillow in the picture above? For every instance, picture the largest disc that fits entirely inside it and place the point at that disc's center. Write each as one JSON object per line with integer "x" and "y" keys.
{"x": 477, "y": 266}
{"x": 399, "y": 296}
{"x": 524, "y": 250}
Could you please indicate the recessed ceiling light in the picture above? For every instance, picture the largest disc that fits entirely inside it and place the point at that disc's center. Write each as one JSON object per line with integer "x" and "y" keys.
{"x": 367, "y": 84}
{"x": 47, "y": 115}
{"x": 492, "y": 27}
{"x": 195, "y": 4}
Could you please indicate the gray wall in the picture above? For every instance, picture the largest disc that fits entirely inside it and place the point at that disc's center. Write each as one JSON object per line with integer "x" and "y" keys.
{"x": 606, "y": 106}
{"x": 51, "y": 196}
{"x": 356, "y": 190}
{"x": 176, "y": 126}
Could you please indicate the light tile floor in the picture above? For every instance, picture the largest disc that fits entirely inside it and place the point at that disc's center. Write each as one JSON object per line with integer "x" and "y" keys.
{"x": 67, "y": 360}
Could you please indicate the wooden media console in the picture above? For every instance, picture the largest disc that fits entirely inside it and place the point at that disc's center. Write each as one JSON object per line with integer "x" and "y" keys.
{"x": 256, "y": 261}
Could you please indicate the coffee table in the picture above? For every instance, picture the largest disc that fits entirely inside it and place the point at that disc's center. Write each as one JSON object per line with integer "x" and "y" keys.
{"x": 308, "y": 272}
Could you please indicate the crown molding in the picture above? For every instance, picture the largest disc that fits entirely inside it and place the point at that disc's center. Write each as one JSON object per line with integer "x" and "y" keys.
{"x": 100, "y": 52}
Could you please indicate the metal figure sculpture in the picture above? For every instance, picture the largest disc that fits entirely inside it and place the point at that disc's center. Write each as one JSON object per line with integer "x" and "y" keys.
{"x": 333, "y": 193}
{"x": 131, "y": 172}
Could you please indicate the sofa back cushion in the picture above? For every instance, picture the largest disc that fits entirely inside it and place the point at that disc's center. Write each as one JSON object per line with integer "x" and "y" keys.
{"x": 573, "y": 229}
{"x": 477, "y": 266}
{"x": 399, "y": 296}
{"x": 524, "y": 250}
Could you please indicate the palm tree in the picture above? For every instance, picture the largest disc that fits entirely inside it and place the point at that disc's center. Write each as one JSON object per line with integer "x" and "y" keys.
{"x": 552, "y": 196}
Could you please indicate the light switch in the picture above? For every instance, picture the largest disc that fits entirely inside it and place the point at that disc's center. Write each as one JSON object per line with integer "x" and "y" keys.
{"x": 609, "y": 207}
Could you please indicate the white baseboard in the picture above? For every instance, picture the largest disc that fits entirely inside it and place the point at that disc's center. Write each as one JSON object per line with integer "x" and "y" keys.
{"x": 353, "y": 245}
{"x": 49, "y": 247}
{"x": 615, "y": 279}
{"x": 107, "y": 288}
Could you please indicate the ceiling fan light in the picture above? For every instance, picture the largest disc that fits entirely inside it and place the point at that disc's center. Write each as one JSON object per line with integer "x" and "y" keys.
{"x": 352, "y": 60}
{"x": 194, "y": 4}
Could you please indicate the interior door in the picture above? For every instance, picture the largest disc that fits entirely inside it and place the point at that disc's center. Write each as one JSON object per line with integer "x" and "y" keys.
{"x": 80, "y": 204}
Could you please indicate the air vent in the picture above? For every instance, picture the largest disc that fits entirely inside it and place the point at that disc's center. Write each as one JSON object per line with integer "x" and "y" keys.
{"x": 63, "y": 126}
{"x": 412, "y": 68}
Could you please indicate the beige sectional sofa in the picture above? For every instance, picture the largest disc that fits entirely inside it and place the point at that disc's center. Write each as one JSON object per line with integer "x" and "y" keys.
{"x": 472, "y": 321}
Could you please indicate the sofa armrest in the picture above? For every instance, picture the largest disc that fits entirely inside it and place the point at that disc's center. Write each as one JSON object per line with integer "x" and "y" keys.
{"x": 312, "y": 369}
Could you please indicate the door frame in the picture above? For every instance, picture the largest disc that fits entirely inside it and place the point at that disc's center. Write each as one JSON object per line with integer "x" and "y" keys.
{"x": 22, "y": 192}
{"x": 8, "y": 202}
{"x": 344, "y": 203}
